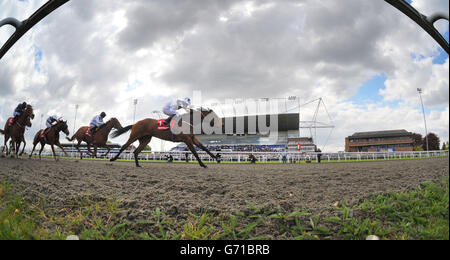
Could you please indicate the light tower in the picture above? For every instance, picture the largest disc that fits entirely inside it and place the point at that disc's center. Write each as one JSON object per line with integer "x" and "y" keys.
{"x": 424, "y": 118}
{"x": 134, "y": 114}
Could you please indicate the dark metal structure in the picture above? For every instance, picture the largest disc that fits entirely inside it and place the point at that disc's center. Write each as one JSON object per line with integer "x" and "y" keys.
{"x": 24, "y": 26}
{"x": 427, "y": 23}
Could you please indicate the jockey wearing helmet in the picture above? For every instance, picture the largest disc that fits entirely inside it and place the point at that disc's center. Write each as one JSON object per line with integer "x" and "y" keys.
{"x": 49, "y": 123}
{"x": 51, "y": 120}
{"x": 97, "y": 122}
{"x": 171, "y": 108}
{"x": 19, "y": 109}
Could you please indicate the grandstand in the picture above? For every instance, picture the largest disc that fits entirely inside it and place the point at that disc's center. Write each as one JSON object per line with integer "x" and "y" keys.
{"x": 240, "y": 132}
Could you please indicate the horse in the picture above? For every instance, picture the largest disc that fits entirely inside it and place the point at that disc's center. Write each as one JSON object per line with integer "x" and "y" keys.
{"x": 52, "y": 138}
{"x": 17, "y": 130}
{"x": 146, "y": 129}
{"x": 99, "y": 139}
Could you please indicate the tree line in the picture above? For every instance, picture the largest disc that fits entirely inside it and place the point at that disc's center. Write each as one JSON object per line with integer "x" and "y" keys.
{"x": 434, "y": 142}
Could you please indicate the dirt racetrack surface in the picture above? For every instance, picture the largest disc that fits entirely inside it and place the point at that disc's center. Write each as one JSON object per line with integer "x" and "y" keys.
{"x": 180, "y": 188}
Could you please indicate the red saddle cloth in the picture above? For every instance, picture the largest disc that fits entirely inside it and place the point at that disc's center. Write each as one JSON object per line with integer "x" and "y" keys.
{"x": 88, "y": 132}
{"x": 10, "y": 121}
{"x": 43, "y": 133}
{"x": 162, "y": 126}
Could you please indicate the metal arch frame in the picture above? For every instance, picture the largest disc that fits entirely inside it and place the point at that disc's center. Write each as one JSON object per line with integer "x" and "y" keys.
{"x": 24, "y": 26}
{"x": 427, "y": 23}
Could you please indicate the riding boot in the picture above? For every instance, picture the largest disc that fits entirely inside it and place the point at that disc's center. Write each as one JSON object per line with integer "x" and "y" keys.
{"x": 14, "y": 120}
{"x": 93, "y": 129}
{"x": 167, "y": 122}
{"x": 45, "y": 134}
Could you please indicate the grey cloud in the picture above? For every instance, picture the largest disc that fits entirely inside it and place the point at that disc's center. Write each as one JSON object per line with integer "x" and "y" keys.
{"x": 6, "y": 84}
{"x": 270, "y": 53}
{"x": 150, "y": 21}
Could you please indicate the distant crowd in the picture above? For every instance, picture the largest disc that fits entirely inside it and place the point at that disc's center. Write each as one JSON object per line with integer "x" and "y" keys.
{"x": 240, "y": 148}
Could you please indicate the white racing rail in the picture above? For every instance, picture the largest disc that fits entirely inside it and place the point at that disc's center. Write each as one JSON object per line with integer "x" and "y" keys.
{"x": 263, "y": 157}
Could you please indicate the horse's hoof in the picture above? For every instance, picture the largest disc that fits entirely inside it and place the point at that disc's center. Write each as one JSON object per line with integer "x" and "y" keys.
{"x": 205, "y": 167}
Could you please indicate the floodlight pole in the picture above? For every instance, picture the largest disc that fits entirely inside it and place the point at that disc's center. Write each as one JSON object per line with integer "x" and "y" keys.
{"x": 74, "y": 125}
{"x": 75, "y": 120}
{"x": 134, "y": 114}
{"x": 424, "y": 118}
{"x": 40, "y": 124}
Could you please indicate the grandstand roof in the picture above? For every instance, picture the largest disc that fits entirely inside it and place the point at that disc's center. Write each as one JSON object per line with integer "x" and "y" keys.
{"x": 374, "y": 134}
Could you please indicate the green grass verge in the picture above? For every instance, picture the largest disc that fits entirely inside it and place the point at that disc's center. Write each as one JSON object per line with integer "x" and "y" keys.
{"x": 421, "y": 213}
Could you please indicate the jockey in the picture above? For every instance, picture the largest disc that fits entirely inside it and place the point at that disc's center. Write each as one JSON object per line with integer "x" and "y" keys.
{"x": 171, "y": 108}
{"x": 51, "y": 120}
{"x": 49, "y": 123}
{"x": 19, "y": 110}
{"x": 97, "y": 122}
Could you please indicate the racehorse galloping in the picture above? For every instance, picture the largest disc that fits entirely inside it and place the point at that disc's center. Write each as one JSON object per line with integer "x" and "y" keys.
{"x": 99, "y": 139}
{"x": 146, "y": 129}
{"x": 17, "y": 130}
{"x": 51, "y": 138}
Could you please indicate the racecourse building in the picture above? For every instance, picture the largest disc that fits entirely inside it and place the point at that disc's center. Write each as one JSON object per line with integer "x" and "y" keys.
{"x": 243, "y": 134}
{"x": 380, "y": 141}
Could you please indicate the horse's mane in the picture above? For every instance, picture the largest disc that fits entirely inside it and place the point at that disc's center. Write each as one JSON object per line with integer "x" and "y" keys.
{"x": 110, "y": 120}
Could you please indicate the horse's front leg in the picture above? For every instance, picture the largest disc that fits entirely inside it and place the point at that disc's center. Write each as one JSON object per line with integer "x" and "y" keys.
{"x": 192, "y": 148}
{"x": 201, "y": 146}
{"x": 24, "y": 145}
{"x": 62, "y": 148}
{"x": 13, "y": 147}
{"x": 54, "y": 154}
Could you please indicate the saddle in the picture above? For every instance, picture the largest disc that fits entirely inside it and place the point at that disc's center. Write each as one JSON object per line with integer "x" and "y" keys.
{"x": 88, "y": 132}
{"x": 162, "y": 126}
{"x": 44, "y": 133}
{"x": 10, "y": 121}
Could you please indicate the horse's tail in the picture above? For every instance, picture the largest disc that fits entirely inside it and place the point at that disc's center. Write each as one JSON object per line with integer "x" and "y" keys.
{"x": 121, "y": 131}
{"x": 75, "y": 136}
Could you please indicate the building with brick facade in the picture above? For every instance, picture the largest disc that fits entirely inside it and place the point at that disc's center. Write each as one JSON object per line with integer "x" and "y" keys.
{"x": 380, "y": 141}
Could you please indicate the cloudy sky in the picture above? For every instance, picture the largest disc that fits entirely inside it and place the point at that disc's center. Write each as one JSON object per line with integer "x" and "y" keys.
{"x": 364, "y": 58}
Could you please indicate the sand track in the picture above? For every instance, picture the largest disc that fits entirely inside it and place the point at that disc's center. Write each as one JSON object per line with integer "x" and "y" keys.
{"x": 180, "y": 188}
